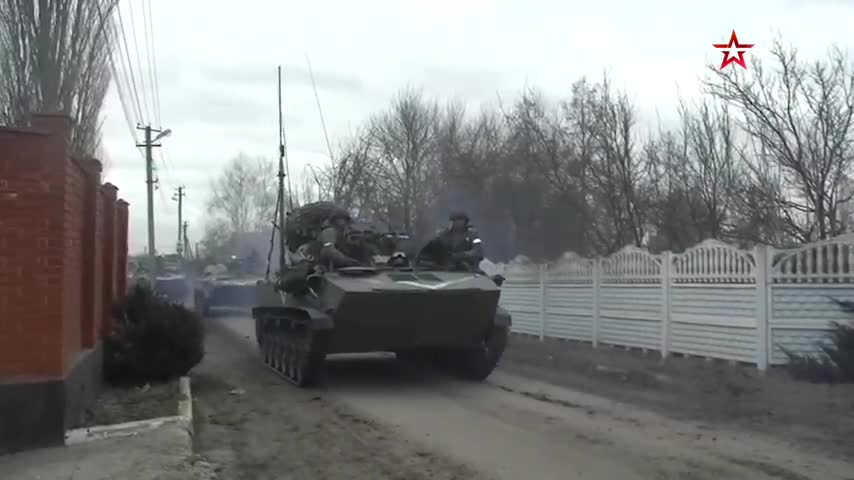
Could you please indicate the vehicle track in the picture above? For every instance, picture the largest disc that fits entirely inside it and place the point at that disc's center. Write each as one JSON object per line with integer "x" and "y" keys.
{"x": 250, "y": 424}
{"x": 510, "y": 428}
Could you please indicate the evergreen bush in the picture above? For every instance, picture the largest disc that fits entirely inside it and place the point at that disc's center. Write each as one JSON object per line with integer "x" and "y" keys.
{"x": 152, "y": 340}
{"x": 835, "y": 362}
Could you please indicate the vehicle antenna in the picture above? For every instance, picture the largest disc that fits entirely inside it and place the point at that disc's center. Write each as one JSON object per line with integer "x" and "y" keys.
{"x": 279, "y": 223}
{"x": 322, "y": 124}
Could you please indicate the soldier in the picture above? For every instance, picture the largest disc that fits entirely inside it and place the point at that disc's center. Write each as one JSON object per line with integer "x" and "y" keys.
{"x": 323, "y": 251}
{"x": 460, "y": 243}
{"x": 332, "y": 238}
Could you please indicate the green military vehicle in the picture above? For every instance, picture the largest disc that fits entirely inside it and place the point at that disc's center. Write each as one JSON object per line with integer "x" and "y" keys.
{"x": 227, "y": 286}
{"x": 402, "y": 303}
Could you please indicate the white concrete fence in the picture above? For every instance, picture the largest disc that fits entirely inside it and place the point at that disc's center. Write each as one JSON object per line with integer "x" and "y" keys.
{"x": 713, "y": 300}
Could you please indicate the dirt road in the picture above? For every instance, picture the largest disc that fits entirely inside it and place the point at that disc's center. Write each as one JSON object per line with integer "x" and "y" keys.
{"x": 377, "y": 418}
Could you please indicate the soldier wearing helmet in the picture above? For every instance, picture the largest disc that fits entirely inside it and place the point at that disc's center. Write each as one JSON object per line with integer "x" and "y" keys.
{"x": 332, "y": 239}
{"x": 461, "y": 243}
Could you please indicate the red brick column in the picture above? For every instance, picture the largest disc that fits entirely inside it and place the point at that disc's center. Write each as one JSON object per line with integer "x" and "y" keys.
{"x": 121, "y": 249}
{"x": 98, "y": 278}
{"x": 33, "y": 166}
{"x": 89, "y": 313}
{"x": 108, "y": 250}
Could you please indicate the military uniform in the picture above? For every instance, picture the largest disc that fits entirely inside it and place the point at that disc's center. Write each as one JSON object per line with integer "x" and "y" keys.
{"x": 323, "y": 251}
{"x": 332, "y": 241}
{"x": 462, "y": 248}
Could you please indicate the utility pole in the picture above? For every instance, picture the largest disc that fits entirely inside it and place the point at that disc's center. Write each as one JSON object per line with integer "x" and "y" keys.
{"x": 179, "y": 197}
{"x": 149, "y": 144}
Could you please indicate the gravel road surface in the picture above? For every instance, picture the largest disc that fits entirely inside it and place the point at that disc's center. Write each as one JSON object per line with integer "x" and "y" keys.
{"x": 377, "y": 418}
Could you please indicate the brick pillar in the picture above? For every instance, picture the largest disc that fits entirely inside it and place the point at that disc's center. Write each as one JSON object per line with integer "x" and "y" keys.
{"x": 108, "y": 249}
{"x": 98, "y": 279}
{"x": 59, "y": 127}
{"x": 89, "y": 313}
{"x": 33, "y": 170}
{"x": 121, "y": 249}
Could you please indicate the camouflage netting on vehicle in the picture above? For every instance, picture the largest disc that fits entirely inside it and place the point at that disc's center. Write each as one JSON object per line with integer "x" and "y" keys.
{"x": 304, "y": 223}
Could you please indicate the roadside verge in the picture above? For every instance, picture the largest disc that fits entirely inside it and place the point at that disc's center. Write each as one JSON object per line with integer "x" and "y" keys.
{"x": 183, "y": 418}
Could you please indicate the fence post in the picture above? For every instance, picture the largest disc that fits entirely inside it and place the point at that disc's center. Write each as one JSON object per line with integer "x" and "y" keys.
{"x": 761, "y": 255}
{"x": 666, "y": 274}
{"x": 542, "y": 275}
{"x": 597, "y": 283}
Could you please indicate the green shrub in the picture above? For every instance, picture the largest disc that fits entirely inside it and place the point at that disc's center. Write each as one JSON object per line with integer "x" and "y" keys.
{"x": 152, "y": 339}
{"x": 835, "y": 363}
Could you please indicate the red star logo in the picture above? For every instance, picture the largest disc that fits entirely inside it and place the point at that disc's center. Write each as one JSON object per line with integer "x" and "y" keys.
{"x": 731, "y": 49}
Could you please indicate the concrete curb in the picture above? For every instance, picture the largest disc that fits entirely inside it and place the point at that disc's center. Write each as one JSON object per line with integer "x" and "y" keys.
{"x": 184, "y": 418}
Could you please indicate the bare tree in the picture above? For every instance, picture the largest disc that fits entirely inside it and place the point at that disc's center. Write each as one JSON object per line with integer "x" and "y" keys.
{"x": 217, "y": 240}
{"x": 244, "y": 195}
{"x": 765, "y": 158}
{"x": 617, "y": 172}
{"x": 352, "y": 177}
{"x": 310, "y": 187}
{"x": 55, "y": 57}
{"x": 474, "y": 173}
{"x": 697, "y": 180}
{"x": 800, "y": 115}
{"x": 402, "y": 142}
{"x": 542, "y": 182}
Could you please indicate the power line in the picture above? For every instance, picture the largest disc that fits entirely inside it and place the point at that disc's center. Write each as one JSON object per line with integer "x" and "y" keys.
{"x": 154, "y": 59}
{"x": 120, "y": 89}
{"x": 159, "y": 187}
{"x": 125, "y": 82}
{"x": 139, "y": 63}
{"x": 164, "y": 158}
{"x": 149, "y": 53}
{"x": 123, "y": 79}
{"x": 126, "y": 57}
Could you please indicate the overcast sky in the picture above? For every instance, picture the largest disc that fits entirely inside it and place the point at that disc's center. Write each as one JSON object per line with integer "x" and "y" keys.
{"x": 216, "y": 65}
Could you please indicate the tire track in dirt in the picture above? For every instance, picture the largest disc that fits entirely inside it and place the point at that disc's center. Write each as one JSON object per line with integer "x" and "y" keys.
{"x": 250, "y": 424}
{"x": 512, "y": 427}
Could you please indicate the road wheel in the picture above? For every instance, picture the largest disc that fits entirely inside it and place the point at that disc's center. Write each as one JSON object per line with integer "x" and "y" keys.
{"x": 476, "y": 364}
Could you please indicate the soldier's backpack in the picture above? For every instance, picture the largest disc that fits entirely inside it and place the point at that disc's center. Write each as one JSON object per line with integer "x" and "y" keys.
{"x": 305, "y": 223}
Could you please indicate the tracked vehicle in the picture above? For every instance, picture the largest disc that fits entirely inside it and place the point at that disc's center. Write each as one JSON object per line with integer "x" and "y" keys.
{"x": 398, "y": 303}
{"x": 230, "y": 286}
{"x": 417, "y": 309}
{"x": 450, "y": 317}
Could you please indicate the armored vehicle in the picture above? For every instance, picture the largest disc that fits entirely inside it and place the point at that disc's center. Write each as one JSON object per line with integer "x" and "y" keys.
{"x": 172, "y": 282}
{"x": 230, "y": 286}
{"x": 415, "y": 308}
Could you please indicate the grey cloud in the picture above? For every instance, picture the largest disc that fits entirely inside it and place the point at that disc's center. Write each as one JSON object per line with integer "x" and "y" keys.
{"x": 265, "y": 78}
{"x": 478, "y": 85}
{"x": 227, "y": 107}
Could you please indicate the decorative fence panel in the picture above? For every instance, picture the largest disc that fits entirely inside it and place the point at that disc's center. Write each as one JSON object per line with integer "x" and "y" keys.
{"x": 713, "y": 300}
{"x": 524, "y": 290}
{"x": 569, "y": 298}
{"x": 803, "y": 283}
{"x": 630, "y": 299}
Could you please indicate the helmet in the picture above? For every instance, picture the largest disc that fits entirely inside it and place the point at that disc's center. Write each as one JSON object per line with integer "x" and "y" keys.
{"x": 458, "y": 215}
{"x": 339, "y": 213}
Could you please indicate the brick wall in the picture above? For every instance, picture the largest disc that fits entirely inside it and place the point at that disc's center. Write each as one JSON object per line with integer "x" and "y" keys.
{"x": 72, "y": 292}
{"x": 57, "y": 279}
{"x": 109, "y": 194}
{"x": 99, "y": 314}
{"x": 90, "y": 308}
{"x": 121, "y": 248}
